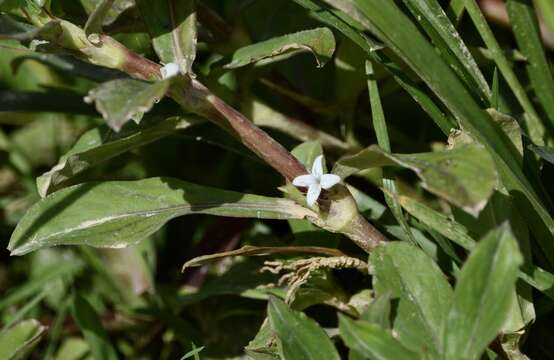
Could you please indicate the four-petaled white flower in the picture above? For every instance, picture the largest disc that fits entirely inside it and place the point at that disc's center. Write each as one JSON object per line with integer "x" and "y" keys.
{"x": 169, "y": 70}
{"x": 316, "y": 181}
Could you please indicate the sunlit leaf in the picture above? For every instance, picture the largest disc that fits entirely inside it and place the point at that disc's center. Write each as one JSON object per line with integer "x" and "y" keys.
{"x": 320, "y": 42}
{"x": 482, "y": 295}
{"x": 464, "y": 175}
{"x": 300, "y": 336}
{"x": 131, "y": 210}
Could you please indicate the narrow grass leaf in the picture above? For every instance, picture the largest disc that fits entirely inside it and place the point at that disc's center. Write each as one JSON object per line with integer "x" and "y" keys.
{"x": 320, "y": 42}
{"x": 410, "y": 275}
{"x": 527, "y": 33}
{"x": 343, "y": 23}
{"x": 534, "y": 126}
{"x": 88, "y": 321}
{"x": 69, "y": 65}
{"x": 19, "y": 341}
{"x": 372, "y": 341}
{"x": 131, "y": 210}
{"x": 382, "y": 134}
{"x": 482, "y": 297}
{"x": 300, "y": 336}
{"x": 35, "y": 285}
{"x": 403, "y": 37}
{"x": 444, "y": 35}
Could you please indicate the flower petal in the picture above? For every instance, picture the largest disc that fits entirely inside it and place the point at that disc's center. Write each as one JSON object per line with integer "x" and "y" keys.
{"x": 329, "y": 180}
{"x": 304, "y": 180}
{"x": 317, "y": 167}
{"x": 313, "y": 193}
{"x": 169, "y": 70}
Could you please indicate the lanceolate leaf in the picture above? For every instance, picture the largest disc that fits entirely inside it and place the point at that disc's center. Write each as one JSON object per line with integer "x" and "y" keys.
{"x": 410, "y": 275}
{"x": 172, "y": 26}
{"x": 301, "y": 338}
{"x": 372, "y": 341}
{"x": 482, "y": 297}
{"x": 100, "y": 144}
{"x": 320, "y": 42}
{"x": 119, "y": 213}
{"x": 121, "y": 100}
{"x": 464, "y": 175}
{"x": 18, "y": 341}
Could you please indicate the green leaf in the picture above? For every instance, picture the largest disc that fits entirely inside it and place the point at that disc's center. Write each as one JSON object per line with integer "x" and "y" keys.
{"x": 96, "y": 19}
{"x": 99, "y": 145}
{"x": 382, "y": 134}
{"x": 172, "y": 26}
{"x": 542, "y": 151}
{"x": 74, "y": 349}
{"x": 193, "y": 353}
{"x": 69, "y": 65}
{"x": 116, "y": 9}
{"x": 540, "y": 279}
{"x": 121, "y": 100}
{"x": 13, "y": 29}
{"x": 18, "y": 341}
{"x": 131, "y": 210}
{"x": 533, "y": 122}
{"x": 423, "y": 291}
{"x": 300, "y": 336}
{"x": 264, "y": 345}
{"x": 343, "y": 23}
{"x": 404, "y": 38}
{"x": 320, "y": 42}
{"x": 88, "y": 321}
{"x": 546, "y": 9}
{"x": 444, "y": 34}
{"x": 372, "y": 341}
{"x": 528, "y": 36}
{"x": 46, "y": 277}
{"x": 464, "y": 175}
{"x": 437, "y": 221}
{"x": 482, "y": 298}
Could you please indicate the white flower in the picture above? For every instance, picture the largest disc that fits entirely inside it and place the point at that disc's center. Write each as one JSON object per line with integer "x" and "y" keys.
{"x": 169, "y": 70}
{"x": 316, "y": 181}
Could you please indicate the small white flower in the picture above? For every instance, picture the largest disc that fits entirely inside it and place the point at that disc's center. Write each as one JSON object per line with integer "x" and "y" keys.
{"x": 169, "y": 70}
{"x": 316, "y": 181}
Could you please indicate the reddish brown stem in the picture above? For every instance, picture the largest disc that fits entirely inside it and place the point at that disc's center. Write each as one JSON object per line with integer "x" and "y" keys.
{"x": 197, "y": 98}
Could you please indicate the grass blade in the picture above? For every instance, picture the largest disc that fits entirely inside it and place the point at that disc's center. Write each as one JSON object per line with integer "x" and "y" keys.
{"x": 380, "y": 128}
{"x": 526, "y": 30}
{"x": 405, "y": 40}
